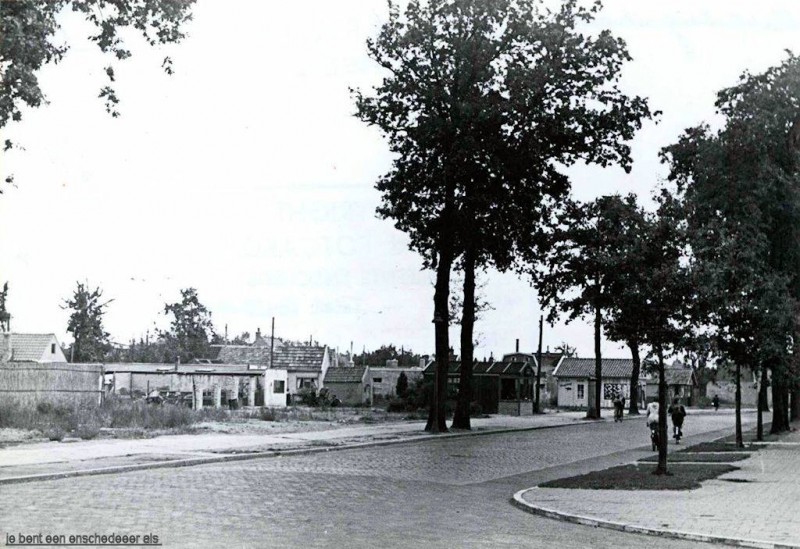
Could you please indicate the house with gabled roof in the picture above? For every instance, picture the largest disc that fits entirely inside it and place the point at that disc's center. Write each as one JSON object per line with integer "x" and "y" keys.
{"x": 499, "y": 387}
{"x": 38, "y": 348}
{"x": 306, "y": 364}
{"x": 574, "y": 376}
{"x": 350, "y": 384}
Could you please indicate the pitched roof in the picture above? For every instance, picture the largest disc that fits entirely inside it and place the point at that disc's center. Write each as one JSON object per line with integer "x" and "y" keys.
{"x": 289, "y": 358}
{"x": 30, "y": 347}
{"x": 490, "y": 368}
{"x": 584, "y": 367}
{"x": 345, "y": 374}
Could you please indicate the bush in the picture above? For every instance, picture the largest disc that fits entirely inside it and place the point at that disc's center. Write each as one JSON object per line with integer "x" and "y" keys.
{"x": 308, "y": 396}
{"x": 704, "y": 402}
{"x": 55, "y": 433}
{"x": 44, "y": 408}
{"x": 397, "y": 405}
{"x": 88, "y": 431}
{"x": 266, "y": 414}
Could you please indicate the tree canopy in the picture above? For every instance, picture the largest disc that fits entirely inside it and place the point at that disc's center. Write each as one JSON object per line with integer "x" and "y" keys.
{"x": 483, "y": 103}
{"x": 90, "y": 340}
{"x": 191, "y": 329}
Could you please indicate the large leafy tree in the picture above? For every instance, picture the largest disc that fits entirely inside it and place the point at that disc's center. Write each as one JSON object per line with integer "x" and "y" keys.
{"x": 667, "y": 282}
{"x": 579, "y": 272}
{"x": 741, "y": 184}
{"x": 191, "y": 329}
{"x": 89, "y": 338}
{"x": 482, "y": 103}
{"x": 625, "y": 273}
{"x": 29, "y": 40}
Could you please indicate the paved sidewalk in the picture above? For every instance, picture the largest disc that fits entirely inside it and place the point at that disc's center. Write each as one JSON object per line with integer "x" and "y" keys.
{"x": 48, "y": 458}
{"x": 755, "y": 506}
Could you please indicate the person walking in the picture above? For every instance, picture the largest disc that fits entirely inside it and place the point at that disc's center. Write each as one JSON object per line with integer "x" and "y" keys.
{"x": 677, "y": 412}
{"x": 715, "y": 402}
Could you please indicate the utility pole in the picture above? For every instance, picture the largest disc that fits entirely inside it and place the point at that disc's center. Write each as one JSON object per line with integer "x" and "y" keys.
{"x": 539, "y": 364}
{"x": 272, "y": 343}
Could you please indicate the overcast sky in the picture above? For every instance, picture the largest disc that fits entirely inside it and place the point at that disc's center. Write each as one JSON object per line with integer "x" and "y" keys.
{"x": 246, "y": 176}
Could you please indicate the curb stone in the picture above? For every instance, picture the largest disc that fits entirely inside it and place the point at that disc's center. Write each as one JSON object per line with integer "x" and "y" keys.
{"x": 190, "y": 462}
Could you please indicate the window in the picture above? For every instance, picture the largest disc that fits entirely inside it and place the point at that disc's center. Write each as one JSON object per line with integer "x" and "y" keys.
{"x": 279, "y": 386}
{"x": 52, "y": 348}
{"x": 377, "y": 380}
{"x": 580, "y": 391}
{"x": 306, "y": 382}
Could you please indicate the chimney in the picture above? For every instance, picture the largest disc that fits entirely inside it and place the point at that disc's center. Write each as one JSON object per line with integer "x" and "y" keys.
{"x": 422, "y": 361}
{"x": 517, "y": 346}
{"x": 258, "y": 333}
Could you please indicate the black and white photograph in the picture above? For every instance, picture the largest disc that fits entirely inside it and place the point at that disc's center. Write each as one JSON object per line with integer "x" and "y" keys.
{"x": 400, "y": 274}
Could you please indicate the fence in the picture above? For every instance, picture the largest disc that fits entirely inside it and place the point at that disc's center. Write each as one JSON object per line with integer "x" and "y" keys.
{"x": 29, "y": 383}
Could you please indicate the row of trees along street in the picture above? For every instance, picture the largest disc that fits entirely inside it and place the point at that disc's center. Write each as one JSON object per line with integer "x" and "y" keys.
{"x": 485, "y": 103}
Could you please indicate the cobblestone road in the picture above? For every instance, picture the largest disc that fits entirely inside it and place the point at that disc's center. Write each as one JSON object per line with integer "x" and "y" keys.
{"x": 450, "y": 493}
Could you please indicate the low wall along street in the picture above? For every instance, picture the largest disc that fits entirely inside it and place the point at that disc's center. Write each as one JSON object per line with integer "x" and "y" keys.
{"x": 29, "y": 383}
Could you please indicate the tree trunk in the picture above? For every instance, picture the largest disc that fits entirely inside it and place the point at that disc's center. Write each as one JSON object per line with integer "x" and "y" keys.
{"x": 633, "y": 408}
{"x": 661, "y": 469}
{"x": 739, "y": 441}
{"x": 598, "y": 367}
{"x": 794, "y": 409}
{"x": 461, "y": 416}
{"x": 441, "y": 319}
{"x": 537, "y": 407}
{"x": 762, "y": 403}
{"x": 780, "y": 414}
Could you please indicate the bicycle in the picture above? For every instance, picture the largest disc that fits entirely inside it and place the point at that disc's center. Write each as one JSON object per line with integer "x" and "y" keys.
{"x": 654, "y": 436}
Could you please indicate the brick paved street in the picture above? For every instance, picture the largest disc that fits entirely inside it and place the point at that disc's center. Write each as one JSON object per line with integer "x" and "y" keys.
{"x": 449, "y": 493}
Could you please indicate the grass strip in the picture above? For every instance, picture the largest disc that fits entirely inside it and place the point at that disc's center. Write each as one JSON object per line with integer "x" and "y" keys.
{"x": 640, "y": 477}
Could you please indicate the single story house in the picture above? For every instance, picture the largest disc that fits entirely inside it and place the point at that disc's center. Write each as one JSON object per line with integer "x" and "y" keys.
{"x": 681, "y": 383}
{"x": 306, "y": 364}
{"x": 384, "y": 379}
{"x": 350, "y": 384}
{"x": 499, "y": 387}
{"x": 39, "y": 348}
{"x": 575, "y": 374}
{"x": 548, "y": 386}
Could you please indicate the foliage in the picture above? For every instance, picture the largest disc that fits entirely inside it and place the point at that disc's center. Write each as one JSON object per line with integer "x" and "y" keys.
{"x": 742, "y": 193}
{"x": 380, "y": 356}
{"x": 5, "y": 316}
{"x": 90, "y": 340}
{"x": 566, "y": 349}
{"x": 481, "y": 104}
{"x": 402, "y": 385}
{"x": 30, "y": 29}
{"x": 191, "y": 328}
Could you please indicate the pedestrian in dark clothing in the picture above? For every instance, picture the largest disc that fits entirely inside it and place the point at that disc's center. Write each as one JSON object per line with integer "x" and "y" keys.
{"x": 677, "y": 412}
{"x": 715, "y": 402}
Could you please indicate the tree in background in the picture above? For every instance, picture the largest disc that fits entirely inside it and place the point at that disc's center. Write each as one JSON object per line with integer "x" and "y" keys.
{"x": 481, "y": 103}
{"x": 380, "y": 356}
{"x": 566, "y": 349}
{"x": 402, "y": 385}
{"x": 668, "y": 285}
{"x": 742, "y": 189}
{"x": 191, "y": 330}
{"x": 626, "y": 285}
{"x": 5, "y": 316}
{"x": 89, "y": 339}
{"x": 582, "y": 270}
{"x": 31, "y": 39}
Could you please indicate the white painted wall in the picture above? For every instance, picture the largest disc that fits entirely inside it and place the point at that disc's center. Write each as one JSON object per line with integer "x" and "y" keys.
{"x": 271, "y": 398}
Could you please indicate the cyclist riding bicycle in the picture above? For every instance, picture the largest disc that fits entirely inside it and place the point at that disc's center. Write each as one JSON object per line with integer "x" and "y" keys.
{"x": 652, "y": 423}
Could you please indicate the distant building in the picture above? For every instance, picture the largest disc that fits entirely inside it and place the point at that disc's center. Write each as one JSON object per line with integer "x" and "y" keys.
{"x": 350, "y": 384}
{"x": 681, "y": 383}
{"x": 305, "y": 364}
{"x": 574, "y": 375}
{"x": 39, "y": 348}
